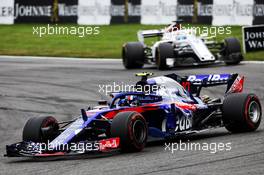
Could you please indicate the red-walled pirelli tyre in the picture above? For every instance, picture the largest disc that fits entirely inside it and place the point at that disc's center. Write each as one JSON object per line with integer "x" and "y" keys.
{"x": 132, "y": 130}
{"x": 40, "y": 129}
{"x": 241, "y": 112}
{"x": 133, "y": 55}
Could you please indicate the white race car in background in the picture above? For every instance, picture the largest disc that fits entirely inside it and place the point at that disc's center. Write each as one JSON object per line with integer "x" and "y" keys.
{"x": 179, "y": 47}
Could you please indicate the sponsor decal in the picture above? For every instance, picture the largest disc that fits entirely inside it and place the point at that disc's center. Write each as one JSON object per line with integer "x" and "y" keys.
{"x": 32, "y": 11}
{"x": 237, "y": 86}
{"x": 215, "y": 12}
{"x": 6, "y": 11}
{"x": 111, "y": 143}
{"x": 186, "y": 85}
{"x": 158, "y": 11}
{"x": 125, "y": 11}
{"x": 235, "y": 12}
{"x": 199, "y": 11}
{"x": 183, "y": 123}
{"x": 253, "y": 38}
{"x": 94, "y": 12}
{"x": 258, "y": 12}
{"x": 186, "y": 106}
{"x": 68, "y": 134}
{"x": 45, "y": 11}
{"x": 197, "y": 79}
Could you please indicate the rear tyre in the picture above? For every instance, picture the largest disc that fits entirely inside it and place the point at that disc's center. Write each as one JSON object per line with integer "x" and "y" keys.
{"x": 164, "y": 50}
{"x": 241, "y": 112}
{"x": 133, "y": 55}
{"x": 132, "y": 130}
{"x": 232, "y": 51}
{"x": 40, "y": 129}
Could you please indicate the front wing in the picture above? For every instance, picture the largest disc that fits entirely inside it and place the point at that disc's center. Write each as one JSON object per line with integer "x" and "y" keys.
{"x": 31, "y": 149}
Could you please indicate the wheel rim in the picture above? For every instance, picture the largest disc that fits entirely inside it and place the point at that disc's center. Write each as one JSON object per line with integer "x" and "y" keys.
{"x": 139, "y": 131}
{"x": 254, "y": 111}
{"x": 163, "y": 125}
{"x": 51, "y": 126}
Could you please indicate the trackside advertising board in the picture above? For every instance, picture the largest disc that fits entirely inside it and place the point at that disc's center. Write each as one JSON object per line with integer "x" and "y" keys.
{"x": 6, "y": 11}
{"x": 253, "y": 38}
{"x": 45, "y": 11}
{"x": 105, "y": 12}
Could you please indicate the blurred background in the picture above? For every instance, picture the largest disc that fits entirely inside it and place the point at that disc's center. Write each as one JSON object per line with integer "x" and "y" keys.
{"x": 118, "y": 21}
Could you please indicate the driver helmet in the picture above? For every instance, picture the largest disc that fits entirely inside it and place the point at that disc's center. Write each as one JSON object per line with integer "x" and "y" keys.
{"x": 123, "y": 102}
{"x": 133, "y": 100}
{"x": 174, "y": 28}
{"x": 130, "y": 100}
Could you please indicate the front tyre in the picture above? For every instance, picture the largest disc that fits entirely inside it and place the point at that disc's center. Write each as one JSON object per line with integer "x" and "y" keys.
{"x": 40, "y": 129}
{"x": 132, "y": 130}
{"x": 133, "y": 55}
{"x": 241, "y": 112}
{"x": 164, "y": 51}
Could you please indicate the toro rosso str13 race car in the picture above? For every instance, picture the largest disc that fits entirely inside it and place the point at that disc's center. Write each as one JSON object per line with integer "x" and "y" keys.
{"x": 174, "y": 108}
{"x": 179, "y": 47}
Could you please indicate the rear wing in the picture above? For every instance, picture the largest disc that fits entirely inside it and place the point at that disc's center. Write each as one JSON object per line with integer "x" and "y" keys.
{"x": 234, "y": 82}
{"x": 141, "y": 34}
{"x": 209, "y": 79}
{"x": 194, "y": 83}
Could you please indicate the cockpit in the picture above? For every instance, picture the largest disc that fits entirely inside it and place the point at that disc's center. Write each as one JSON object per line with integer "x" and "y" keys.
{"x": 170, "y": 89}
{"x": 133, "y": 100}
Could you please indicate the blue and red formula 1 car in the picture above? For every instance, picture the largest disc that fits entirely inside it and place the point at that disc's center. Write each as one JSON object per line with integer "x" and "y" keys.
{"x": 171, "y": 107}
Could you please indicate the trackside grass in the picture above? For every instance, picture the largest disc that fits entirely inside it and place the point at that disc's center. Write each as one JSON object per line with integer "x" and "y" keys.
{"x": 19, "y": 40}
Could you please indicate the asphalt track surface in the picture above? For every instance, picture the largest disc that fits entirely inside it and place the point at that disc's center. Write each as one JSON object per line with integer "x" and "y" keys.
{"x": 61, "y": 87}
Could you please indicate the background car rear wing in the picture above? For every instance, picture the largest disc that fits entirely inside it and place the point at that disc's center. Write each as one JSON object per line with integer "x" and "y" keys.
{"x": 141, "y": 34}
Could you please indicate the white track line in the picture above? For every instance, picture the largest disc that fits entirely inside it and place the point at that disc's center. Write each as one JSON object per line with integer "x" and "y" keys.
{"x": 58, "y": 58}
{"x": 253, "y": 62}
{"x": 86, "y": 59}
